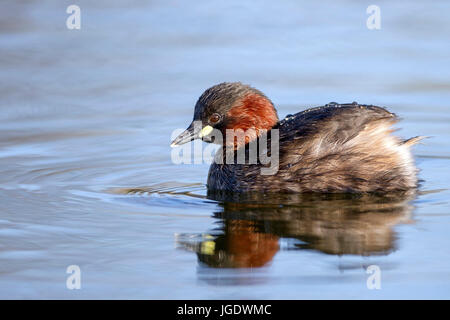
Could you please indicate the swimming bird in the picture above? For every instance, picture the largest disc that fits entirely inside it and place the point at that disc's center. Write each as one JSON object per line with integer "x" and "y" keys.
{"x": 335, "y": 148}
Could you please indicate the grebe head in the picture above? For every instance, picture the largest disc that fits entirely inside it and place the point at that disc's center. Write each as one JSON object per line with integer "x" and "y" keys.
{"x": 229, "y": 105}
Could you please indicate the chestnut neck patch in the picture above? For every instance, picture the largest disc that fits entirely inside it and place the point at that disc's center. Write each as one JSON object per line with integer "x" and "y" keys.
{"x": 254, "y": 112}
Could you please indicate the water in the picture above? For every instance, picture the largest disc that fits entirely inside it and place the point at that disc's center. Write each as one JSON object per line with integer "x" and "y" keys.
{"x": 86, "y": 177}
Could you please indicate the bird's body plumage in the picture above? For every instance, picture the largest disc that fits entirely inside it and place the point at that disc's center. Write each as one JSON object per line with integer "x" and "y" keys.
{"x": 334, "y": 148}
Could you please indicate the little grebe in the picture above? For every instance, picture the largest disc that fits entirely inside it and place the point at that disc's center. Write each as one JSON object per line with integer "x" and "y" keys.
{"x": 333, "y": 148}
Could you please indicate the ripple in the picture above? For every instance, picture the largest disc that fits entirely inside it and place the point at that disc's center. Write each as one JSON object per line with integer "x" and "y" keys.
{"x": 170, "y": 188}
{"x": 174, "y": 195}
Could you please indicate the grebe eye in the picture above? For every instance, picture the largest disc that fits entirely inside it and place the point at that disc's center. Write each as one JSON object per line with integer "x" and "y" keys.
{"x": 214, "y": 118}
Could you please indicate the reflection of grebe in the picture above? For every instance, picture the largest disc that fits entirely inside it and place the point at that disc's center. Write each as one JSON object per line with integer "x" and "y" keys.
{"x": 335, "y": 148}
{"x": 332, "y": 224}
{"x": 242, "y": 245}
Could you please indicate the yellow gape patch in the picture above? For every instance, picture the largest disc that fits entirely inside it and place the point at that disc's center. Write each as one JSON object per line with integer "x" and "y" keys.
{"x": 205, "y": 131}
{"x": 209, "y": 246}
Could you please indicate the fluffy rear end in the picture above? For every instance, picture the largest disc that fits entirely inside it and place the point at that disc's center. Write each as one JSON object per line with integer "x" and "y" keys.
{"x": 372, "y": 161}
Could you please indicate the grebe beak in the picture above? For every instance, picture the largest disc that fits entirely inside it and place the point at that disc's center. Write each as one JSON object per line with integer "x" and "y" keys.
{"x": 191, "y": 133}
{"x": 194, "y": 131}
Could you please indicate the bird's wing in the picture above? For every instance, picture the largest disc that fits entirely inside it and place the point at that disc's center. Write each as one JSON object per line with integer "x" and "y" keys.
{"x": 334, "y": 123}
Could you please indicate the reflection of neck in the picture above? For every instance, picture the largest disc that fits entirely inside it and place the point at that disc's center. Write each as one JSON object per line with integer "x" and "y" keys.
{"x": 247, "y": 247}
